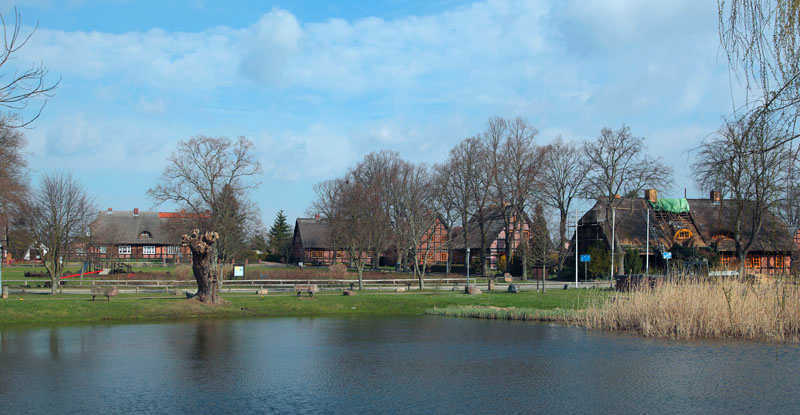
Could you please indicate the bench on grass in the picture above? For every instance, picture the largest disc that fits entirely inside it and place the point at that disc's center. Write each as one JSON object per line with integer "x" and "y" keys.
{"x": 108, "y": 292}
{"x": 309, "y": 289}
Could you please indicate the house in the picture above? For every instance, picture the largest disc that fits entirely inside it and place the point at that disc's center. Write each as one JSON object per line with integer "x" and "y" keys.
{"x": 127, "y": 235}
{"x": 494, "y": 226}
{"x": 312, "y": 244}
{"x": 690, "y": 225}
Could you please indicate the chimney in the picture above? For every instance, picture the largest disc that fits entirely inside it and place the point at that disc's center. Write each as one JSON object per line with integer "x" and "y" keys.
{"x": 617, "y": 196}
{"x": 135, "y": 211}
{"x": 316, "y": 217}
{"x": 108, "y": 212}
{"x": 651, "y": 195}
{"x": 716, "y": 196}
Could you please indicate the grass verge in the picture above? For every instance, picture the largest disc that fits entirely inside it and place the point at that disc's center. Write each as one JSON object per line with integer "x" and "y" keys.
{"x": 32, "y": 309}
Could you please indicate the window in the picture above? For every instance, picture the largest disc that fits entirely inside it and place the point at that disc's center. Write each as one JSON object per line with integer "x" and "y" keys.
{"x": 683, "y": 235}
{"x": 725, "y": 260}
{"x": 779, "y": 261}
{"x": 148, "y": 250}
{"x": 102, "y": 250}
{"x": 753, "y": 262}
{"x": 145, "y": 235}
{"x": 124, "y": 249}
{"x": 173, "y": 250}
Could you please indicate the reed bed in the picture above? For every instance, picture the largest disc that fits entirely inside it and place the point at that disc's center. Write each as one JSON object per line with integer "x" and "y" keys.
{"x": 503, "y": 313}
{"x": 702, "y": 309}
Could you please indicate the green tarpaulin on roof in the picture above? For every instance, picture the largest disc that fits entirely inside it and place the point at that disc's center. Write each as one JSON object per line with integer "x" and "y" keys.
{"x": 672, "y": 205}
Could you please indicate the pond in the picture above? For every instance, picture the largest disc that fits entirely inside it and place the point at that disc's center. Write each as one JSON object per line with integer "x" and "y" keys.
{"x": 397, "y": 365}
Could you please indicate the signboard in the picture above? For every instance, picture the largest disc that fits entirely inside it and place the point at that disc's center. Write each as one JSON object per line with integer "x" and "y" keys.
{"x": 667, "y": 255}
{"x": 238, "y": 271}
{"x": 586, "y": 258}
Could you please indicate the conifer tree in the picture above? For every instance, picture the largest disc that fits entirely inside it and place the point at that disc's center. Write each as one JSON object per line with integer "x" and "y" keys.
{"x": 280, "y": 236}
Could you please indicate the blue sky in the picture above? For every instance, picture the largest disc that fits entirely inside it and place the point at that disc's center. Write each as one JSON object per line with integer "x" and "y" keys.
{"x": 316, "y": 85}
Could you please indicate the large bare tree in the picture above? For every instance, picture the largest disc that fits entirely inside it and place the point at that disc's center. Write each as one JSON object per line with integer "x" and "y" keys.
{"x": 445, "y": 205}
{"x": 212, "y": 176}
{"x": 471, "y": 190}
{"x": 742, "y": 161}
{"x": 205, "y": 273}
{"x": 619, "y": 166}
{"x": 60, "y": 213}
{"x": 561, "y": 182}
{"x": 514, "y": 172}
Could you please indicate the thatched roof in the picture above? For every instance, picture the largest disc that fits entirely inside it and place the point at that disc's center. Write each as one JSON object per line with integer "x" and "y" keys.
{"x": 706, "y": 220}
{"x": 144, "y": 228}
{"x": 312, "y": 233}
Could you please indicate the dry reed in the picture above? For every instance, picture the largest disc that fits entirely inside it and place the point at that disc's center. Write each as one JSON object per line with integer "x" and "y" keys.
{"x": 702, "y": 309}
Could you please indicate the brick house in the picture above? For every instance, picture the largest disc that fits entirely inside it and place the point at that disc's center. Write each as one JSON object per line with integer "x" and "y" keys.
{"x": 495, "y": 229}
{"x": 131, "y": 235}
{"x": 692, "y": 224}
{"x": 312, "y": 244}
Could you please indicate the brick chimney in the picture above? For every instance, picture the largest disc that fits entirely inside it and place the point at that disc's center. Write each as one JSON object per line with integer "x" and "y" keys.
{"x": 651, "y": 195}
{"x": 135, "y": 211}
{"x": 108, "y": 212}
{"x": 716, "y": 196}
{"x": 316, "y": 217}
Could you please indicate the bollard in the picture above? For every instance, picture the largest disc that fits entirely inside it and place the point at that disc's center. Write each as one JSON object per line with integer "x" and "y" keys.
{"x": 5, "y": 293}
{"x": 491, "y": 285}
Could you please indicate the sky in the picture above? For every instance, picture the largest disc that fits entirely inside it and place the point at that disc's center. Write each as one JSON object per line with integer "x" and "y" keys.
{"x": 317, "y": 85}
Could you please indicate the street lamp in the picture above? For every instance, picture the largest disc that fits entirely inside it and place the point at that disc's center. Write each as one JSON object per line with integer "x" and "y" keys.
{"x": 467, "y": 267}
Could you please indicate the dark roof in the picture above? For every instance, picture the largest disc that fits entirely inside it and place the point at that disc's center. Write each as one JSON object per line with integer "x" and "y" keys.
{"x": 313, "y": 233}
{"x": 493, "y": 226}
{"x": 706, "y": 219}
{"x": 124, "y": 228}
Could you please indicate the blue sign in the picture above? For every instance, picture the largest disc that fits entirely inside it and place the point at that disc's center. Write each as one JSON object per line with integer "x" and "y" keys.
{"x": 586, "y": 258}
{"x": 666, "y": 255}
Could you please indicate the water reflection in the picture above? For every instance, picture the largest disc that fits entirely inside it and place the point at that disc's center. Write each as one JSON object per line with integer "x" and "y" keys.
{"x": 416, "y": 365}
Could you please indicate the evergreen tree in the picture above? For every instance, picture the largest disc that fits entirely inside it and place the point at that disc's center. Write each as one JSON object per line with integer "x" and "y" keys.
{"x": 280, "y": 237}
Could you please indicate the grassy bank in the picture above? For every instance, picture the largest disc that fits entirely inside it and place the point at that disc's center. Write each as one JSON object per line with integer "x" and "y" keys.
{"x": 31, "y": 309}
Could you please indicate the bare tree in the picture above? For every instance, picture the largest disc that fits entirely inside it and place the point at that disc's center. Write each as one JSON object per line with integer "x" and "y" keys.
{"x": 23, "y": 87}
{"x": 445, "y": 204}
{"x": 209, "y": 176}
{"x": 617, "y": 165}
{"x": 762, "y": 41}
{"x": 741, "y": 161}
{"x": 206, "y": 274}
{"x": 60, "y": 214}
{"x": 471, "y": 188}
{"x": 515, "y": 172}
{"x": 562, "y": 179}
{"x": 13, "y": 182}
{"x": 419, "y": 216}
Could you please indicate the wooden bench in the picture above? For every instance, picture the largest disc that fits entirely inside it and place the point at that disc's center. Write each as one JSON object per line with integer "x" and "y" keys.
{"x": 108, "y": 292}
{"x": 309, "y": 289}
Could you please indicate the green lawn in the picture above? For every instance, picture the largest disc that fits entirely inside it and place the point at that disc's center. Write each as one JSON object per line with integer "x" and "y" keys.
{"x": 33, "y": 309}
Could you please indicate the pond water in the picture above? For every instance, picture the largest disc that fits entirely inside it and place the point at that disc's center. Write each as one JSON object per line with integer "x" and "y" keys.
{"x": 408, "y": 365}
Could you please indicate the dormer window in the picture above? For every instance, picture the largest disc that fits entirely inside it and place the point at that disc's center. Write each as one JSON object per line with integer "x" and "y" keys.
{"x": 145, "y": 235}
{"x": 683, "y": 235}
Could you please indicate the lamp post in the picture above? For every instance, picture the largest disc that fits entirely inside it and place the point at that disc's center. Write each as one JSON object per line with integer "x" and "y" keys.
{"x": 613, "y": 242}
{"x": 467, "y": 265}
{"x": 576, "y": 248}
{"x": 1, "y": 268}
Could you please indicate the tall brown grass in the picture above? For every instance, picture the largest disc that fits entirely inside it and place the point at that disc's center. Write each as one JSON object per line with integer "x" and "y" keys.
{"x": 703, "y": 309}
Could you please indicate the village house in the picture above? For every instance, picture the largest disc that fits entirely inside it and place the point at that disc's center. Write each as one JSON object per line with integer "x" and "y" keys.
{"x": 312, "y": 244}
{"x": 135, "y": 235}
{"x": 496, "y": 236}
{"x": 693, "y": 225}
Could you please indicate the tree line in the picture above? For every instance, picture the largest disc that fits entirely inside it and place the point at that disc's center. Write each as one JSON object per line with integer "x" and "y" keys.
{"x": 385, "y": 202}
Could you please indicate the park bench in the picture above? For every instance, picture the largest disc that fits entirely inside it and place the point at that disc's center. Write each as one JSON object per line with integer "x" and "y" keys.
{"x": 108, "y": 292}
{"x": 309, "y": 289}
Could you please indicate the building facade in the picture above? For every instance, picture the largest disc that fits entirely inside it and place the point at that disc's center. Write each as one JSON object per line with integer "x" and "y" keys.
{"x": 135, "y": 235}
{"x": 688, "y": 225}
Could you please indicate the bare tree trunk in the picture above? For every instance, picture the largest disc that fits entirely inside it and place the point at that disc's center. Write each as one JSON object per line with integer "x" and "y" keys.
{"x": 202, "y": 249}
